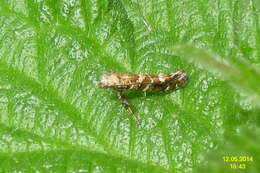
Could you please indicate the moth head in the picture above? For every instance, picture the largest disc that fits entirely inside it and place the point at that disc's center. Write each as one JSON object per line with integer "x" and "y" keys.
{"x": 180, "y": 77}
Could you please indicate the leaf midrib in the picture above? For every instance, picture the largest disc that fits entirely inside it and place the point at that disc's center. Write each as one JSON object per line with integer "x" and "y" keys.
{"x": 14, "y": 76}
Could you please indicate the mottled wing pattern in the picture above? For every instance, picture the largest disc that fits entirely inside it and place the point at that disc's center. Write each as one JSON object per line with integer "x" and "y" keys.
{"x": 144, "y": 82}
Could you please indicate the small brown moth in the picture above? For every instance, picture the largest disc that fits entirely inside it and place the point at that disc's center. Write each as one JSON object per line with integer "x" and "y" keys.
{"x": 144, "y": 82}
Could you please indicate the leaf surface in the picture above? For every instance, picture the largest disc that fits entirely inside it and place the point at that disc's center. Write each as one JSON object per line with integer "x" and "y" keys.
{"x": 54, "y": 118}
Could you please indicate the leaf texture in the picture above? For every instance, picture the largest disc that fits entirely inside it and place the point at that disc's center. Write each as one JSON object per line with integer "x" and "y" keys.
{"x": 54, "y": 118}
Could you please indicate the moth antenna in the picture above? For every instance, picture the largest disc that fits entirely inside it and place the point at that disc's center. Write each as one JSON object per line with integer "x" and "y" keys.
{"x": 181, "y": 76}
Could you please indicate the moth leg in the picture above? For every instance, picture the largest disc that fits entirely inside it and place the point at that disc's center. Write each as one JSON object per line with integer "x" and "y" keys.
{"x": 126, "y": 104}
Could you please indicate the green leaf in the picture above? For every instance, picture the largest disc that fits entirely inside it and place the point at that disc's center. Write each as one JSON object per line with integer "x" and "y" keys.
{"x": 54, "y": 118}
{"x": 239, "y": 72}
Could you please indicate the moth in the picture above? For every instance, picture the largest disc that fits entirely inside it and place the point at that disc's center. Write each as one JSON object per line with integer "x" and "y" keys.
{"x": 143, "y": 82}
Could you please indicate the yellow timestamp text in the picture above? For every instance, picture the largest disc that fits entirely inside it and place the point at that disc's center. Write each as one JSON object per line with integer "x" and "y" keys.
{"x": 238, "y": 158}
{"x": 237, "y": 166}
{"x": 238, "y": 162}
